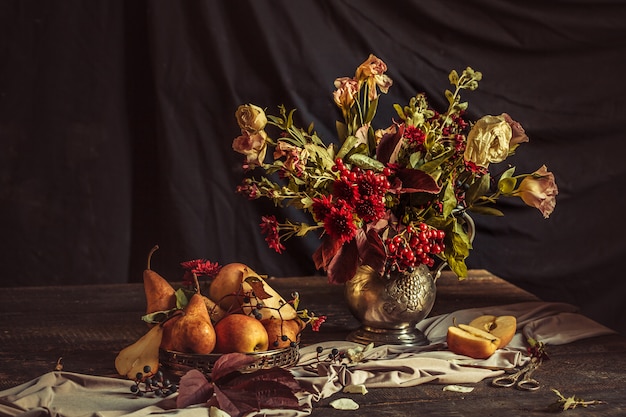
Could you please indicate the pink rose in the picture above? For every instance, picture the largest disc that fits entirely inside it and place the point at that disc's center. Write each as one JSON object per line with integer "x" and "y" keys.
{"x": 347, "y": 89}
{"x": 539, "y": 190}
{"x": 253, "y": 146}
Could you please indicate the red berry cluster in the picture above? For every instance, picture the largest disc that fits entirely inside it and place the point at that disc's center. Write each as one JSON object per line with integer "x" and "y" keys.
{"x": 414, "y": 246}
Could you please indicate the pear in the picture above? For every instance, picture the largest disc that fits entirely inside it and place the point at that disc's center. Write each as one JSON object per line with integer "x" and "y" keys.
{"x": 193, "y": 331}
{"x": 215, "y": 311}
{"x": 160, "y": 295}
{"x": 238, "y": 289}
{"x": 144, "y": 352}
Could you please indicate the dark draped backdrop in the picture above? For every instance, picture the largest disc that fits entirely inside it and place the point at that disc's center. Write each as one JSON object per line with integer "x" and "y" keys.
{"x": 117, "y": 118}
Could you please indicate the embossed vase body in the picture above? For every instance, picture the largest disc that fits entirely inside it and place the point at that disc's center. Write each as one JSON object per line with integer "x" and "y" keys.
{"x": 389, "y": 308}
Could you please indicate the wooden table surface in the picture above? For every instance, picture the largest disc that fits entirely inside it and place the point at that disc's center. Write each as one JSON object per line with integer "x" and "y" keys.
{"x": 87, "y": 326}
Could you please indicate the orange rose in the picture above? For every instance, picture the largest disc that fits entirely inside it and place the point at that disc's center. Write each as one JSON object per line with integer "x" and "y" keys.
{"x": 373, "y": 71}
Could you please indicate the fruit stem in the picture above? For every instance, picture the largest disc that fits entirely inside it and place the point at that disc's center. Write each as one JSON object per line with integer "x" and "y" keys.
{"x": 154, "y": 249}
{"x": 196, "y": 282}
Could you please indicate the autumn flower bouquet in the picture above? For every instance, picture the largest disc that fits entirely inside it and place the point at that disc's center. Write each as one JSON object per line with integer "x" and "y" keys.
{"x": 393, "y": 197}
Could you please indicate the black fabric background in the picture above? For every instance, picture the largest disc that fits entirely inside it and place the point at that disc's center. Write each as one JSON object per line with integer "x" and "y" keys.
{"x": 116, "y": 123}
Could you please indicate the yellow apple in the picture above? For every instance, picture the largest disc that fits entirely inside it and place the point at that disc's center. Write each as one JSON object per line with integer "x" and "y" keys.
{"x": 240, "y": 333}
{"x": 504, "y": 327}
{"x": 281, "y": 333}
{"x": 233, "y": 289}
{"x": 470, "y": 341}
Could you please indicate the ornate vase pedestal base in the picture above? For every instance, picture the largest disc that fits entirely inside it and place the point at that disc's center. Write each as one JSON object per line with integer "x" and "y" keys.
{"x": 409, "y": 336}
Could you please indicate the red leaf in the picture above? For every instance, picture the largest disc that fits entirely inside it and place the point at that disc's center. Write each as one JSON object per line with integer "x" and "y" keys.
{"x": 343, "y": 266}
{"x": 229, "y": 363}
{"x": 254, "y": 396}
{"x": 240, "y": 380}
{"x": 414, "y": 180}
{"x": 373, "y": 251}
{"x": 193, "y": 389}
{"x": 388, "y": 143}
{"x": 326, "y": 252}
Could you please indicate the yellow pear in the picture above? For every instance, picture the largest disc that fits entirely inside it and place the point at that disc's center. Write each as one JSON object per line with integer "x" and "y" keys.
{"x": 193, "y": 331}
{"x": 503, "y": 327}
{"x": 144, "y": 352}
{"x": 470, "y": 341}
{"x": 238, "y": 289}
{"x": 160, "y": 295}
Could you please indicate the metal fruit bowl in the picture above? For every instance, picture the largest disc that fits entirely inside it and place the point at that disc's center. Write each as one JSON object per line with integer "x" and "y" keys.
{"x": 178, "y": 363}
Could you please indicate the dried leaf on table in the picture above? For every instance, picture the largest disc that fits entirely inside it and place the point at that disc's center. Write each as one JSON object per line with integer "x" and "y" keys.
{"x": 193, "y": 388}
{"x": 344, "y": 404}
{"x": 229, "y": 363}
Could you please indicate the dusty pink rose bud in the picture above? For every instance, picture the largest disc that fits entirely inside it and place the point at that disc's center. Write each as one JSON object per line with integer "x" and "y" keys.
{"x": 518, "y": 132}
{"x": 346, "y": 90}
{"x": 488, "y": 141}
{"x": 539, "y": 190}
{"x": 253, "y": 146}
{"x": 251, "y": 118}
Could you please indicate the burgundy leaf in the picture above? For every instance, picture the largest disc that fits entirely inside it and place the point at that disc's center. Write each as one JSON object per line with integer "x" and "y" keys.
{"x": 258, "y": 288}
{"x": 256, "y": 395}
{"x": 236, "y": 406}
{"x": 415, "y": 180}
{"x": 193, "y": 389}
{"x": 229, "y": 363}
{"x": 373, "y": 252}
{"x": 388, "y": 143}
{"x": 343, "y": 266}
{"x": 326, "y": 252}
{"x": 241, "y": 380}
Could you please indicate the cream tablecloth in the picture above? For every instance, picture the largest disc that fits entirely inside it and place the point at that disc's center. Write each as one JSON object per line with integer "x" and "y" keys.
{"x": 65, "y": 394}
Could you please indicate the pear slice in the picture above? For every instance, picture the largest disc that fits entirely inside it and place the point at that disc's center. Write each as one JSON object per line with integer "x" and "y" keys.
{"x": 144, "y": 352}
{"x": 235, "y": 282}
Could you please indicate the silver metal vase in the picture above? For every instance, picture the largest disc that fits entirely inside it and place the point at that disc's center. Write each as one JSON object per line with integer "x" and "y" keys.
{"x": 390, "y": 308}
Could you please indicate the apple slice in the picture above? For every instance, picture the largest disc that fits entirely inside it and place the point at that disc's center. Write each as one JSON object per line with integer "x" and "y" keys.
{"x": 504, "y": 327}
{"x": 470, "y": 341}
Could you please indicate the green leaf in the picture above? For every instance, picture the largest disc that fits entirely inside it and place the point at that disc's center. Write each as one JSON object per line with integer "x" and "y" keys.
{"x": 350, "y": 142}
{"x": 477, "y": 189}
{"x": 371, "y": 111}
{"x": 400, "y": 112}
{"x": 365, "y": 162}
{"x": 453, "y": 77}
{"x": 181, "y": 298}
{"x": 449, "y": 199}
{"x": 450, "y": 96}
{"x": 508, "y": 173}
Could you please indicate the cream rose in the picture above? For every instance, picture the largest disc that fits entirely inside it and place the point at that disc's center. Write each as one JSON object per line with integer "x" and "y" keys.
{"x": 346, "y": 91}
{"x": 539, "y": 190}
{"x": 251, "y": 118}
{"x": 488, "y": 141}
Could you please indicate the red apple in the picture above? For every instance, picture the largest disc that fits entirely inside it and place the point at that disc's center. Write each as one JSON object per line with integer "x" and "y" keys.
{"x": 240, "y": 333}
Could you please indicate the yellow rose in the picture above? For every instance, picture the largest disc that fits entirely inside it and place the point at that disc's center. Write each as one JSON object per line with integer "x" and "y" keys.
{"x": 488, "y": 141}
{"x": 251, "y": 118}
